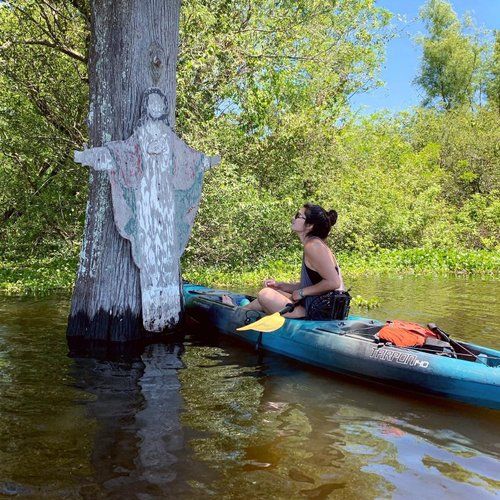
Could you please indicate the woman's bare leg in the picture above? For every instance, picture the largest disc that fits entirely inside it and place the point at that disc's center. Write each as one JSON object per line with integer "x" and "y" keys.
{"x": 273, "y": 301}
{"x": 256, "y": 305}
{"x": 270, "y": 301}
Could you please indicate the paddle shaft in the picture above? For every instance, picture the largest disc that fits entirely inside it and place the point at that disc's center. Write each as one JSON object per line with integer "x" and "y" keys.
{"x": 288, "y": 308}
{"x": 446, "y": 337}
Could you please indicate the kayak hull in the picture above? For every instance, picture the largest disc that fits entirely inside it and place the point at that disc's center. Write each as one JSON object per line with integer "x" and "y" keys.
{"x": 349, "y": 347}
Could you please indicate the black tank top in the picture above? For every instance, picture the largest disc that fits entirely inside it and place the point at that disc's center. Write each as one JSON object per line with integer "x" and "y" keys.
{"x": 314, "y": 276}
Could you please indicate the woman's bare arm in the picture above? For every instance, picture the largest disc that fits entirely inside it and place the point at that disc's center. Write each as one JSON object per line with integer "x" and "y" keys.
{"x": 287, "y": 287}
{"x": 281, "y": 285}
{"x": 321, "y": 259}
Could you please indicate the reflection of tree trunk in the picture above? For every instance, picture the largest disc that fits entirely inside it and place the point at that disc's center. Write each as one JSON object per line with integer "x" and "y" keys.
{"x": 160, "y": 430}
{"x": 139, "y": 438}
{"x": 106, "y": 301}
{"x": 117, "y": 399}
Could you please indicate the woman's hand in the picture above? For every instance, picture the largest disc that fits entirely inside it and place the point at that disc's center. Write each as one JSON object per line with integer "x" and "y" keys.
{"x": 297, "y": 295}
{"x": 271, "y": 284}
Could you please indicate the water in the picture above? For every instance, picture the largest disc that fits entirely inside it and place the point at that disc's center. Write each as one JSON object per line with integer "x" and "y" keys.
{"x": 201, "y": 417}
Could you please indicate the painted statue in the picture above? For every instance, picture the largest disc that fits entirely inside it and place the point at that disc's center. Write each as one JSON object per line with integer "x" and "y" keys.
{"x": 156, "y": 181}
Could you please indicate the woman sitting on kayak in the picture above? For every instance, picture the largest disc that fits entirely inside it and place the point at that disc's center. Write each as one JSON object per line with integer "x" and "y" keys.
{"x": 320, "y": 272}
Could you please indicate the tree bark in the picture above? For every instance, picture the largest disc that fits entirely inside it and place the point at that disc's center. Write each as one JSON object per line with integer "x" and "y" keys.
{"x": 134, "y": 47}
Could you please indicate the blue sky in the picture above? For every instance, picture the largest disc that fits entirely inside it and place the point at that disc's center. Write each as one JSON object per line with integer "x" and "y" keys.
{"x": 403, "y": 55}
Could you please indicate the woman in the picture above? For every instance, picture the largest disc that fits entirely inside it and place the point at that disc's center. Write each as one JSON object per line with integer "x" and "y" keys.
{"x": 320, "y": 272}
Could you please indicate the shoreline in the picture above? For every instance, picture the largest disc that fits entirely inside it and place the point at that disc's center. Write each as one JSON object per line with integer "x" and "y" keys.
{"x": 42, "y": 276}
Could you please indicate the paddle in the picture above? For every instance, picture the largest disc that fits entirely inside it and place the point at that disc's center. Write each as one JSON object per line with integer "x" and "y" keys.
{"x": 269, "y": 323}
{"x": 459, "y": 348}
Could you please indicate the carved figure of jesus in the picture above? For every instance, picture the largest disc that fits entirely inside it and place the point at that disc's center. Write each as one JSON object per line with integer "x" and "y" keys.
{"x": 156, "y": 181}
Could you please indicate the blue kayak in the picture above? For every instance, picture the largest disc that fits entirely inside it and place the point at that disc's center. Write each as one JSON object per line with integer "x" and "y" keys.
{"x": 351, "y": 347}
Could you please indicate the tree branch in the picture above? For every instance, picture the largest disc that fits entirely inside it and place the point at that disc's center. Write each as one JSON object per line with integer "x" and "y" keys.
{"x": 52, "y": 45}
{"x": 82, "y": 7}
{"x": 25, "y": 14}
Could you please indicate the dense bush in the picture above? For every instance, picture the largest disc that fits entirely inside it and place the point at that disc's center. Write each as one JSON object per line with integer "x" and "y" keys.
{"x": 419, "y": 179}
{"x": 274, "y": 103}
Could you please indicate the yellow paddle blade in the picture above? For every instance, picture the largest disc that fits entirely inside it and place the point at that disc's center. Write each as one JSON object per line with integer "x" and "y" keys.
{"x": 265, "y": 324}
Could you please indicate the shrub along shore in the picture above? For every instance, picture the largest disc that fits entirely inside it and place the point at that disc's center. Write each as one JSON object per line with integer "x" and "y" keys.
{"x": 42, "y": 276}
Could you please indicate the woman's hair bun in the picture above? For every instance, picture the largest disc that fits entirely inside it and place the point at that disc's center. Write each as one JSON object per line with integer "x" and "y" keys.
{"x": 332, "y": 215}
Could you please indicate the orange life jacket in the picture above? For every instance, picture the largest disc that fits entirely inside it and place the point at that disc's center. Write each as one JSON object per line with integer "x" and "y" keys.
{"x": 405, "y": 334}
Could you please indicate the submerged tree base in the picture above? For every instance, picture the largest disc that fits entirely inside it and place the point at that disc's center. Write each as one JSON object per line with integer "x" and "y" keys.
{"x": 106, "y": 326}
{"x": 111, "y": 327}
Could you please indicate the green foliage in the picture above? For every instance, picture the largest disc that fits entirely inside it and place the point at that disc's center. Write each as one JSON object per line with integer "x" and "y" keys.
{"x": 361, "y": 302}
{"x": 267, "y": 86}
{"x": 493, "y": 75}
{"x": 37, "y": 276}
{"x": 421, "y": 178}
{"x": 43, "y": 101}
{"x": 234, "y": 218}
{"x": 263, "y": 60}
{"x": 468, "y": 142}
{"x": 452, "y": 64}
{"x": 422, "y": 261}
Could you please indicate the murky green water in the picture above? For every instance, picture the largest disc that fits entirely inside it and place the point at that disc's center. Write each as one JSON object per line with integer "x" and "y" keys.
{"x": 199, "y": 418}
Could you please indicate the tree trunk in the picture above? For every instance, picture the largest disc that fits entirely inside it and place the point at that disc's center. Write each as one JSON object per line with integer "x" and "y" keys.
{"x": 134, "y": 47}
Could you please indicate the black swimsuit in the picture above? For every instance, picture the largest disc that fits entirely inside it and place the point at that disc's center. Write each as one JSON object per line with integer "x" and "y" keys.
{"x": 314, "y": 276}
{"x": 308, "y": 277}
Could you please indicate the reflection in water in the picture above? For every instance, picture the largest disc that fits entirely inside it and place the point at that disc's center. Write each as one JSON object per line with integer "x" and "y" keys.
{"x": 44, "y": 435}
{"x": 138, "y": 440}
{"x": 275, "y": 429}
{"x": 264, "y": 437}
{"x": 114, "y": 387}
{"x": 160, "y": 431}
{"x": 208, "y": 417}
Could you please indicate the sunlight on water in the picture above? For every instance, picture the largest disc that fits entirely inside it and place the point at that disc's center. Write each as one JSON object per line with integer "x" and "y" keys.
{"x": 207, "y": 417}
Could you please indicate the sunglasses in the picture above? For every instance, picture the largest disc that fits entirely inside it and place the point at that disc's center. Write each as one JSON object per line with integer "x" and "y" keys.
{"x": 298, "y": 215}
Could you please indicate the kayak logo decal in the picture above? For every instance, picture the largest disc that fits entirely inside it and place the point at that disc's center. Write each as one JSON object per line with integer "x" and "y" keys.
{"x": 403, "y": 358}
